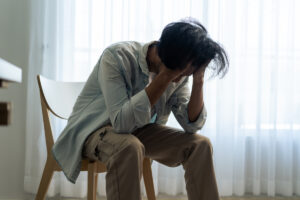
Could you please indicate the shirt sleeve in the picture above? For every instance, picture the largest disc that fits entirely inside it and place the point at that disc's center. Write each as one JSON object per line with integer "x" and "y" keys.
{"x": 126, "y": 113}
{"x": 179, "y": 105}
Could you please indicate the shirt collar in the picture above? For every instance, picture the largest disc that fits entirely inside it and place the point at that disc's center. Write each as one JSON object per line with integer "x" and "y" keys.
{"x": 142, "y": 57}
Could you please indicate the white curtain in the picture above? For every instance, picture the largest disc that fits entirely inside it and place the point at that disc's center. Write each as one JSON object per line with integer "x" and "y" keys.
{"x": 253, "y": 113}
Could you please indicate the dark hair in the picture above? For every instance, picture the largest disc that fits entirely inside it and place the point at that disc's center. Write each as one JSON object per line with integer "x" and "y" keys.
{"x": 187, "y": 41}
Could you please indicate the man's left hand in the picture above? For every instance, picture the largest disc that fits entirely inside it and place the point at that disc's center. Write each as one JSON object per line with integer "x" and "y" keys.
{"x": 198, "y": 75}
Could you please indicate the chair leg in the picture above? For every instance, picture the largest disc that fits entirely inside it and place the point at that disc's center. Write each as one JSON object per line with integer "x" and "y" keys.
{"x": 92, "y": 181}
{"x": 148, "y": 180}
{"x": 46, "y": 179}
{"x": 95, "y": 186}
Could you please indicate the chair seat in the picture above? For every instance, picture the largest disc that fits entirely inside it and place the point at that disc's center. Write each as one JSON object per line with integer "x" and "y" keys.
{"x": 100, "y": 167}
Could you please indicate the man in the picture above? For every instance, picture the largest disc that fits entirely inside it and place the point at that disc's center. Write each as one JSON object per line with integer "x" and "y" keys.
{"x": 120, "y": 114}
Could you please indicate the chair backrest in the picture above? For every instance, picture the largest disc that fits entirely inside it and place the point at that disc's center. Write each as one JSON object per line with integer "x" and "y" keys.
{"x": 58, "y": 98}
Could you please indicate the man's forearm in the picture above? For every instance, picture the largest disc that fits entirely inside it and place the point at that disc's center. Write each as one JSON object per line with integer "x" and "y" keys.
{"x": 196, "y": 101}
{"x": 157, "y": 87}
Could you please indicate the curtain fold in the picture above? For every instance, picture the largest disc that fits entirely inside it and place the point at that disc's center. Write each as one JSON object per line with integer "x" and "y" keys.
{"x": 253, "y": 112}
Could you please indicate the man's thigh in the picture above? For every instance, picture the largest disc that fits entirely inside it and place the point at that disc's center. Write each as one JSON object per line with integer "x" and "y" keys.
{"x": 105, "y": 142}
{"x": 167, "y": 145}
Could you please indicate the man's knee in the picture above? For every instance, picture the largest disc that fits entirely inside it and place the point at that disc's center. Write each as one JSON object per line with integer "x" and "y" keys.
{"x": 203, "y": 142}
{"x": 135, "y": 147}
{"x": 130, "y": 154}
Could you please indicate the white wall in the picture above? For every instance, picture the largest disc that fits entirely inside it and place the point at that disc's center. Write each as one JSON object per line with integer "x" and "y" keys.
{"x": 14, "y": 43}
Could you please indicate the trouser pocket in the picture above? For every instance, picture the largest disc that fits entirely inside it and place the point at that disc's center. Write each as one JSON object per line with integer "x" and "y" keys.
{"x": 90, "y": 147}
{"x": 103, "y": 143}
{"x": 104, "y": 150}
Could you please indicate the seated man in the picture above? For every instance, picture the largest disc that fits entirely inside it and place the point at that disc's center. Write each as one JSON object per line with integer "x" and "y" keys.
{"x": 120, "y": 115}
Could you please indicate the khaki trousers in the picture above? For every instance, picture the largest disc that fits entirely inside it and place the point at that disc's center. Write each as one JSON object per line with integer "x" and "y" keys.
{"x": 123, "y": 155}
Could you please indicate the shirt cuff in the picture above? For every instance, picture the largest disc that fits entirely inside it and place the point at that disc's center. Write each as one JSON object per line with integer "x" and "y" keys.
{"x": 194, "y": 126}
{"x": 141, "y": 107}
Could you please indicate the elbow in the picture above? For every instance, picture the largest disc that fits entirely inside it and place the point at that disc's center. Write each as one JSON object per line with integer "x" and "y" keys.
{"x": 120, "y": 126}
{"x": 120, "y": 130}
{"x": 192, "y": 128}
{"x": 125, "y": 122}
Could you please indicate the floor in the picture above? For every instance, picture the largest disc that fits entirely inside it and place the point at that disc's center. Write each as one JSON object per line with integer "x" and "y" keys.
{"x": 165, "y": 197}
{"x": 233, "y": 198}
{"x": 236, "y": 198}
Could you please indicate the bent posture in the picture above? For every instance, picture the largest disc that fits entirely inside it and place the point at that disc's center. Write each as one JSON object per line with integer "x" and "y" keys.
{"x": 120, "y": 115}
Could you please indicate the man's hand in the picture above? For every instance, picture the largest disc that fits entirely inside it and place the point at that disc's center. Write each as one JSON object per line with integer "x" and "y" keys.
{"x": 198, "y": 75}
{"x": 161, "y": 81}
{"x": 196, "y": 103}
{"x": 171, "y": 74}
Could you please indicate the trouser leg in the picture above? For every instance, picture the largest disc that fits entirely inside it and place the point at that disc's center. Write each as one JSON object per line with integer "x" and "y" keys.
{"x": 173, "y": 147}
{"x": 123, "y": 155}
{"x": 166, "y": 145}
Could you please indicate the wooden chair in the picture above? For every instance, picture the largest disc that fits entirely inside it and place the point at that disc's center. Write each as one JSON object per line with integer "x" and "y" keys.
{"x": 59, "y": 98}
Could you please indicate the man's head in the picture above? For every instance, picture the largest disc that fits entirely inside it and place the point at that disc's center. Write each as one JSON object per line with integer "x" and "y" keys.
{"x": 185, "y": 42}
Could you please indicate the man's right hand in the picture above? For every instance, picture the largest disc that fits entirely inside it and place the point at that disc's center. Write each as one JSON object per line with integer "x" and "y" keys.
{"x": 162, "y": 80}
{"x": 169, "y": 73}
